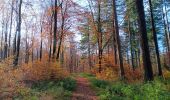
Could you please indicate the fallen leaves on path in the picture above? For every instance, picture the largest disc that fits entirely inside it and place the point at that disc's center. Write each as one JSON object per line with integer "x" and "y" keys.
{"x": 83, "y": 90}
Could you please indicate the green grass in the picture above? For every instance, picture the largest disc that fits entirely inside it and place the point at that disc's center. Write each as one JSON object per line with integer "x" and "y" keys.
{"x": 87, "y": 75}
{"x": 58, "y": 90}
{"x": 156, "y": 90}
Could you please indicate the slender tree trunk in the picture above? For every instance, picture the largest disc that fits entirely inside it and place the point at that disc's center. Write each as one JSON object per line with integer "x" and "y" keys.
{"x": 144, "y": 40}
{"x": 50, "y": 40}
{"x": 6, "y": 39}
{"x": 166, "y": 28}
{"x": 14, "y": 44}
{"x": 37, "y": 54}
{"x": 2, "y": 38}
{"x": 127, "y": 57}
{"x": 155, "y": 40}
{"x": 62, "y": 56}
{"x": 32, "y": 47}
{"x": 55, "y": 29}
{"x": 27, "y": 50}
{"x": 136, "y": 58}
{"x": 61, "y": 37}
{"x": 131, "y": 44}
{"x": 10, "y": 30}
{"x": 99, "y": 37}
{"x": 15, "y": 36}
{"x": 19, "y": 35}
{"x": 139, "y": 61}
{"x": 41, "y": 45}
{"x": 166, "y": 15}
{"x": 122, "y": 73}
{"x": 114, "y": 43}
{"x": 89, "y": 50}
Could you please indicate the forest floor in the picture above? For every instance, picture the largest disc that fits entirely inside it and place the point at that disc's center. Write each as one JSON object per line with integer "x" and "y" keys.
{"x": 85, "y": 86}
{"x": 83, "y": 90}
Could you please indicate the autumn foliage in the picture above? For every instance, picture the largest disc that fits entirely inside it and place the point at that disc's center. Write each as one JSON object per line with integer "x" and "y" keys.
{"x": 13, "y": 80}
{"x": 110, "y": 71}
{"x": 42, "y": 71}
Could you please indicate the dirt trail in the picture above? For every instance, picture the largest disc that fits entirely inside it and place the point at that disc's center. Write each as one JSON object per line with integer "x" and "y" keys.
{"x": 83, "y": 90}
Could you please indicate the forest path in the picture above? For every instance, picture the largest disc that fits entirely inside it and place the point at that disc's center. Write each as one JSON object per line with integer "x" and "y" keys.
{"x": 83, "y": 90}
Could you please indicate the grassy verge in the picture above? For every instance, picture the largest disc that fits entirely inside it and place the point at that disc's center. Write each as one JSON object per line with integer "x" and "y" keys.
{"x": 44, "y": 90}
{"x": 159, "y": 89}
{"x": 155, "y": 90}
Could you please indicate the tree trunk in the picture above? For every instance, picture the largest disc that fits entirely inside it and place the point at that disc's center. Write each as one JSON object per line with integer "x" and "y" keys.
{"x": 62, "y": 31}
{"x": 167, "y": 21}
{"x": 2, "y": 38}
{"x": 27, "y": 50}
{"x": 10, "y": 31}
{"x": 50, "y": 41}
{"x": 99, "y": 37}
{"x": 89, "y": 51}
{"x": 6, "y": 39}
{"x": 41, "y": 45}
{"x": 131, "y": 46}
{"x": 155, "y": 40}
{"x": 55, "y": 29}
{"x": 19, "y": 35}
{"x": 114, "y": 43}
{"x": 166, "y": 29}
{"x": 122, "y": 73}
{"x": 144, "y": 40}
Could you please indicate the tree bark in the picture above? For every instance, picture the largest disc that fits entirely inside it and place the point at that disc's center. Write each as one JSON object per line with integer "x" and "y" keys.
{"x": 62, "y": 30}
{"x": 167, "y": 35}
{"x": 144, "y": 40}
{"x": 6, "y": 39}
{"x": 27, "y": 50}
{"x": 89, "y": 50}
{"x": 131, "y": 46}
{"x": 99, "y": 37}
{"x": 51, "y": 28}
{"x": 41, "y": 45}
{"x": 55, "y": 29}
{"x": 122, "y": 73}
{"x": 155, "y": 40}
{"x": 10, "y": 31}
{"x": 2, "y": 38}
{"x": 19, "y": 36}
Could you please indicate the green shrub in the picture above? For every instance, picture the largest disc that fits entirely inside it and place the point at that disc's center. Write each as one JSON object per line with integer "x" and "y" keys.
{"x": 156, "y": 90}
{"x": 68, "y": 84}
{"x": 59, "y": 93}
{"x": 99, "y": 83}
{"x": 59, "y": 90}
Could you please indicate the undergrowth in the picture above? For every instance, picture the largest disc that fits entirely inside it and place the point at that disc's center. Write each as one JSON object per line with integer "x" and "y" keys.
{"x": 44, "y": 90}
{"x": 155, "y": 90}
{"x": 159, "y": 89}
{"x": 40, "y": 80}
